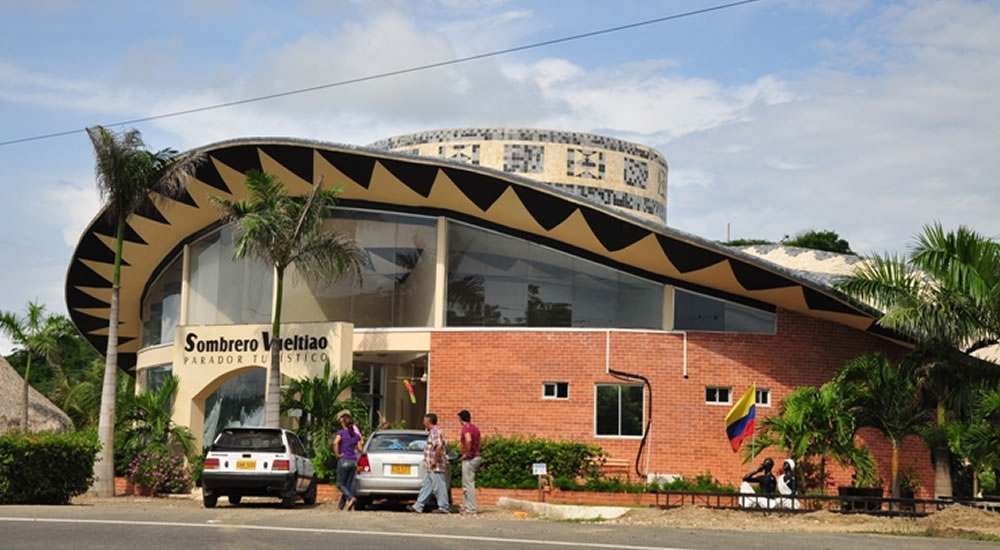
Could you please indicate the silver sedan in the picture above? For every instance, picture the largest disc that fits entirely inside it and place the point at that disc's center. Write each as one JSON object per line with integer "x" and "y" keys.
{"x": 391, "y": 467}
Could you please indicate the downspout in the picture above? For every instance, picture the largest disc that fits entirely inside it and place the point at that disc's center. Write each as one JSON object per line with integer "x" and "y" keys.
{"x": 649, "y": 403}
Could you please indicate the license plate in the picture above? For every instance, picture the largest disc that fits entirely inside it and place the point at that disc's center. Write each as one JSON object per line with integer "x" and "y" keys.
{"x": 246, "y": 464}
{"x": 400, "y": 469}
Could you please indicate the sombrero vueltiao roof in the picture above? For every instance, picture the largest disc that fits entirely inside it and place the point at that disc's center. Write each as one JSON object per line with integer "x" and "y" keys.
{"x": 377, "y": 179}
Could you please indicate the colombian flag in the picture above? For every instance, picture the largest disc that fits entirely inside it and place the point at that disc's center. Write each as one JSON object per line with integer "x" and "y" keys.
{"x": 740, "y": 420}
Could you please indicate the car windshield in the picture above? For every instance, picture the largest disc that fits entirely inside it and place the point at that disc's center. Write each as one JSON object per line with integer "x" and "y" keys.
{"x": 250, "y": 440}
{"x": 398, "y": 442}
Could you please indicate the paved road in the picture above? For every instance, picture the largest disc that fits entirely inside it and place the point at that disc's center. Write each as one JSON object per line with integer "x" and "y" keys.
{"x": 161, "y": 526}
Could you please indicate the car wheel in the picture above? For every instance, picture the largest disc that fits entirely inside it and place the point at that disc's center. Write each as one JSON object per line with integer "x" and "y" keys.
{"x": 209, "y": 500}
{"x": 235, "y": 499}
{"x": 288, "y": 501}
{"x": 362, "y": 503}
{"x": 309, "y": 497}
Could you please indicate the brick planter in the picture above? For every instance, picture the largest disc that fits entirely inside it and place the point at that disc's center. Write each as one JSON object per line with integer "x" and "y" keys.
{"x": 489, "y": 497}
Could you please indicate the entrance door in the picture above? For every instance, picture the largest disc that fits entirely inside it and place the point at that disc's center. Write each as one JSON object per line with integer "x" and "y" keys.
{"x": 385, "y": 388}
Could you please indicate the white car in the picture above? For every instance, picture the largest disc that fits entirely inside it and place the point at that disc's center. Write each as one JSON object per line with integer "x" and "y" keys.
{"x": 258, "y": 462}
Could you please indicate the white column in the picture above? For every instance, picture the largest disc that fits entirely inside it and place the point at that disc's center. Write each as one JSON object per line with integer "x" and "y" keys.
{"x": 441, "y": 273}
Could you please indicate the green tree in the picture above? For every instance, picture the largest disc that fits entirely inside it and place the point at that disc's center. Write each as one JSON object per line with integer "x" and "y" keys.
{"x": 284, "y": 230}
{"x": 816, "y": 423}
{"x": 148, "y": 422}
{"x": 978, "y": 438}
{"x": 826, "y": 240}
{"x": 37, "y": 333}
{"x": 945, "y": 296}
{"x": 319, "y": 399}
{"x": 78, "y": 393}
{"x": 883, "y": 395}
{"x": 128, "y": 177}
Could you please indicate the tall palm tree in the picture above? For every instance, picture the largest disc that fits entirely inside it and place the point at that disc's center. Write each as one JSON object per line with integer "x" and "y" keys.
{"x": 883, "y": 395}
{"x": 284, "y": 230}
{"x": 945, "y": 296}
{"x": 38, "y": 334}
{"x": 128, "y": 175}
{"x": 815, "y": 422}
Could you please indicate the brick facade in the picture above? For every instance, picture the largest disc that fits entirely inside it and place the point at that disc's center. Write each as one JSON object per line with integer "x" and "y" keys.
{"x": 498, "y": 376}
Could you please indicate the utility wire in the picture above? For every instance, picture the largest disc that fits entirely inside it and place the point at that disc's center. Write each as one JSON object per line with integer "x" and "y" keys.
{"x": 398, "y": 72}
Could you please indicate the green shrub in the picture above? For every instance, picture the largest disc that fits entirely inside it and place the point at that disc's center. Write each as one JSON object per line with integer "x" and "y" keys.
{"x": 45, "y": 468}
{"x": 703, "y": 483}
{"x": 507, "y": 461}
{"x": 599, "y": 484}
{"x": 160, "y": 472}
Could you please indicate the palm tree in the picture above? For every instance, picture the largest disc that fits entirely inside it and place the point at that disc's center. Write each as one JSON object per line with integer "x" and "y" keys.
{"x": 38, "y": 334}
{"x": 149, "y": 423}
{"x": 284, "y": 230}
{"x": 945, "y": 296}
{"x": 978, "y": 438}
{"x": 128, "y": 175}
{"x": 78, "y": 394}
{"x": 815, "y": 422}
{"x": 884, "y": 396}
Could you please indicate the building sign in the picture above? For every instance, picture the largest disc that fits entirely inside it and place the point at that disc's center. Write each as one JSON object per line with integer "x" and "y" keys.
{"x": 304, "y": 347}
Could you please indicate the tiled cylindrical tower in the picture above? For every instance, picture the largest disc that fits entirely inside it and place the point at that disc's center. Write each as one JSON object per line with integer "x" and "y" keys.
{"x": 621, "y": 174}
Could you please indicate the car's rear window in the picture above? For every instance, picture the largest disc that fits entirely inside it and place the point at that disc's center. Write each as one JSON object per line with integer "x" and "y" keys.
{"x": 268, "y": 441}
{"x": 398, "y": 442}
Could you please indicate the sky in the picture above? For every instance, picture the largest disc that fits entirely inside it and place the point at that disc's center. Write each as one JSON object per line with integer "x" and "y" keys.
{"x": 870, "y": 118}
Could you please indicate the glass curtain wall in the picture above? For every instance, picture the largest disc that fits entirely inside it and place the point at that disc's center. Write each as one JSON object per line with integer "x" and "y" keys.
{"x": 697, "y": 312}
{"x": 224, "y": 292}
{"x": 397, "y": 282}
{"x": 496, "y": 280}
{"x": 239, "y": 401}
{"x": 161, "y": 311}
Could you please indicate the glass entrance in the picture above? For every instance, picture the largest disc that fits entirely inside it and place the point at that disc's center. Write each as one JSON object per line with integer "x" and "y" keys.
{"x": 394, "y": 388}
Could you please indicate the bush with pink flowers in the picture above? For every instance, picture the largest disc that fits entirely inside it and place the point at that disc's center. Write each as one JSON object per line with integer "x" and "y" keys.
{"x": 160, "y": 472}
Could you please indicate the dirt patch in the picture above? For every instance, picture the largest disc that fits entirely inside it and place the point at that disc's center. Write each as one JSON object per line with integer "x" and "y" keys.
{"x": 963, "y": 518}
{"x": 958, "y": 521}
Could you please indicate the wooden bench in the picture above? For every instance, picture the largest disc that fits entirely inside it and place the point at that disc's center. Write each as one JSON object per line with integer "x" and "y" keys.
{"x": 614, "y": 467}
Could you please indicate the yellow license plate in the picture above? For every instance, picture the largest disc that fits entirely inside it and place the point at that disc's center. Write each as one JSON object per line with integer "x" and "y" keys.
{"x": 246, "y": 464}
{"x": 400, "y": 469}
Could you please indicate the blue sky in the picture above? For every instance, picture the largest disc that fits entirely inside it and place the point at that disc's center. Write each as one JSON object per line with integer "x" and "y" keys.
{"x": 868, "y": 117}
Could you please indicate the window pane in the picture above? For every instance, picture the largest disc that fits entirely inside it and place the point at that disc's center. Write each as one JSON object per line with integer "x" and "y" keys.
{"x": 549, "y": 390}
{"x": 607, "y": 410}
{"x": 224, "y": 292}
{"x": 562, "y": 390}
{"x": 397, "y": 281}
{"x": 631, "y": 410}
{"x": 723, "y": 395}
{"x": 495, "y": 280}
{"x": 696, "y": 312}
{"x": 162, "y": 307}
{"x": 710, "y": 396}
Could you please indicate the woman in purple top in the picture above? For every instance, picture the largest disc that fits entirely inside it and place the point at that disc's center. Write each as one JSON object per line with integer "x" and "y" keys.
{"x": 346, "y": 445}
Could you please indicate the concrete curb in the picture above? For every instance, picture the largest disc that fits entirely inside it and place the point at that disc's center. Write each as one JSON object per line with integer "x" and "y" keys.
{"x": 562, "y": 512}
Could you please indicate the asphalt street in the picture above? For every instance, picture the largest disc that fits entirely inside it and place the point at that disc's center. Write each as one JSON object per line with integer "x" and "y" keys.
{"x": 164, "y": 526}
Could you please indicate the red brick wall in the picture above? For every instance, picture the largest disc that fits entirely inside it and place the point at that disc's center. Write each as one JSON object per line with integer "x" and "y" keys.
{"x": 498, "y": 376}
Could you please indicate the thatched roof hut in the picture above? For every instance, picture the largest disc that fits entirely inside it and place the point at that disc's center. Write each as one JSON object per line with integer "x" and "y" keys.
{"x": 43, "y": 415}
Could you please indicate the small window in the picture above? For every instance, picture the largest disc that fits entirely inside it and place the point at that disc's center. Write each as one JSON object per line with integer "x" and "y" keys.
{"x": 718, "y": 396}
{"x": 555, "y": 390}
{"x": 619, "y": 410}
{"x": 764, "y": 398}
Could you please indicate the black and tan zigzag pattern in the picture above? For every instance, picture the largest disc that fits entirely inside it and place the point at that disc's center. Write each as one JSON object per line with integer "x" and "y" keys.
{"x": 381, "y": 180}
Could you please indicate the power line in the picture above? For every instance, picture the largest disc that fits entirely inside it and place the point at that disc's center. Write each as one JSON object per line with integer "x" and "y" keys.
{"x": 388, "y": 74}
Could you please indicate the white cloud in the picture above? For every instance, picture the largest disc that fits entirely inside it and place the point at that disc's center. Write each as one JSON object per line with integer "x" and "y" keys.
{"x": 71, "y": 206}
